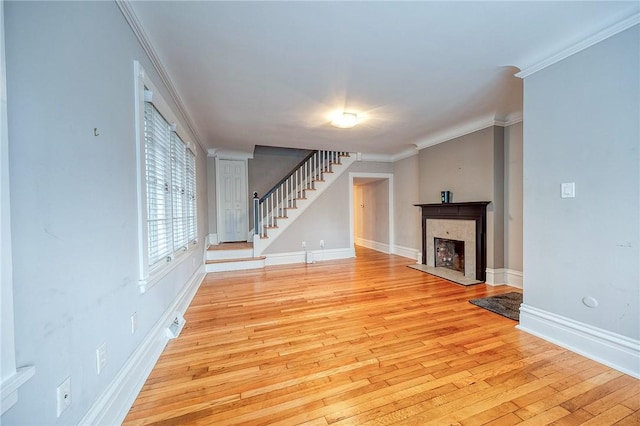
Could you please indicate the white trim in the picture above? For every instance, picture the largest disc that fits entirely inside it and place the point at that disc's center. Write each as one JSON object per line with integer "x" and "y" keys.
{"x": 285, "y": 258}
{"x": 409, "y": 152}
{"x": 514, "y": 278}
{"x": 458, "y": 131}
{"x": 389, "y": 178}
{"x": 159, "y": 273}
{"x": 136, "y": 27}
{"x": 10, "y": 386}
{"x": 148, "y": 276}
{"x": 11, "y": 378}
{"x": 408, "y": 252}
{"x": 114, "y": 403}
{"x": 225, "y": 154}
{"x": 495, "y": 277}
{"x": 511, "y": 119}
{"x": 374, "y": 245}
{"x": 503, "y": 276}
{"x": 212, "y": 240}
{"x": 582, "y": 45}
{"x": 611, "y": 349}
{"x": 382, "y": 158}
{"x": 301, "y": 256}
{"x": 219, "y": 215}
{"x": 238, "y": 265}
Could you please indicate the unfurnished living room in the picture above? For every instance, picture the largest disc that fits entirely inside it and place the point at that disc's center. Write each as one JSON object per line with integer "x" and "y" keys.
{"x": 320, "y": 212}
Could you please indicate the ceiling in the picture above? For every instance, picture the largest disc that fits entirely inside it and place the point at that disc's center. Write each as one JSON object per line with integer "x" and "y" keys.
{"x": 416, "y": 73}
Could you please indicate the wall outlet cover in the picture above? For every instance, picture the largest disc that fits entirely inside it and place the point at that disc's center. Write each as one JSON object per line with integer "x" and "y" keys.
{"x": 63, "y": 396}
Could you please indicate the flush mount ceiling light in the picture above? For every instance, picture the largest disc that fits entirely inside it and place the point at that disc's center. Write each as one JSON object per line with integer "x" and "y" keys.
{"x": 344, "y": 120}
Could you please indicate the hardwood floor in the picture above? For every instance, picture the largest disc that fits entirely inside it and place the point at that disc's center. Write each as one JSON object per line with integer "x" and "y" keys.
{"x": 368, "y": 341}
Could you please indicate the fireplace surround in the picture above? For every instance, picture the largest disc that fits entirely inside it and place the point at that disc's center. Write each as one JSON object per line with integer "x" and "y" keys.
{"x": 471, "y": 211}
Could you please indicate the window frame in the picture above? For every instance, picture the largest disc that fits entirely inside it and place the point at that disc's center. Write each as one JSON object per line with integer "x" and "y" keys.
{"x": 149, "y": 275}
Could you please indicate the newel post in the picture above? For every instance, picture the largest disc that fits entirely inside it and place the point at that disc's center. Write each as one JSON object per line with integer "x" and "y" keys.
{"x": 256, "y": 213}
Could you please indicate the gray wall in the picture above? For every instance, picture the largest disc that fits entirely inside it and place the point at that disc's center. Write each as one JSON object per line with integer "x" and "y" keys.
{"x": 269, "y": 165}
{"x": 513, "y": 197}
{"x": 406, "y": 194}
{"x": 327, "y": 218}
{"x": 472, "y": 167}
{"x": 73, "y": 202}
{"x": 582, "y": 125}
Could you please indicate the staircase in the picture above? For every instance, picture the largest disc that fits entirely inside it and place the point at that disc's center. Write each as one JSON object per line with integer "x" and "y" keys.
{"x": 278, "y": 208}
{"x": 232, "y": 257}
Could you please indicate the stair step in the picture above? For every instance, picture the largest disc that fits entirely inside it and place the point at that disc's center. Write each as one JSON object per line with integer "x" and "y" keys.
{"x": 238, "y": 264}
{"x": 232, "y": 260}
{"x": 225, "y": 251}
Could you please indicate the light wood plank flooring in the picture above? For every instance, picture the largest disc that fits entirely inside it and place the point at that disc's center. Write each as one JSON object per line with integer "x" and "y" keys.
{"x": 368, "y": 341}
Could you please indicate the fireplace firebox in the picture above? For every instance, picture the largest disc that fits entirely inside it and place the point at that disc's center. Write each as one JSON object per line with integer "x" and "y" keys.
{"x": 449, "y": 254}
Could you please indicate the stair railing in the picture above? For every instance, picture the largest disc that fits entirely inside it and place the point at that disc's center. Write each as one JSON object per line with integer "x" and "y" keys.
{"x": 294, "y": 186}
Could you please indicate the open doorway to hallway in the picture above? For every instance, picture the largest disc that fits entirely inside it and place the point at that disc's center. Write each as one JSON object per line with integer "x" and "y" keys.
{"x": 371, "y": 196}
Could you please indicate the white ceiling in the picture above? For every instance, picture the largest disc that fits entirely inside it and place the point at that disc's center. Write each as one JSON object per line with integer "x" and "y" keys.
{"x": 271, "y": 73}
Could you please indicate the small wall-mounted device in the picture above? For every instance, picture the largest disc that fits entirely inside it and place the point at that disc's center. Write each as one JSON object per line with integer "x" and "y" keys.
{"x": 446, "y": 196}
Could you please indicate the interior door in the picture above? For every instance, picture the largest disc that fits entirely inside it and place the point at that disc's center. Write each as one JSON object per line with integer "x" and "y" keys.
{"x": 232, "y": 208}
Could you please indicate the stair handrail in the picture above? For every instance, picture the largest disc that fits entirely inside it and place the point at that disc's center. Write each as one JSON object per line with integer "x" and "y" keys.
{"x": 288, "y": 175}
{"x": 311, "y": 168}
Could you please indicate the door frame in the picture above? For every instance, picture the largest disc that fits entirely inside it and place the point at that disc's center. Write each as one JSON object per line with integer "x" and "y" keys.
{"x": 382, "y": 176}
{"x": 230, "y": 157}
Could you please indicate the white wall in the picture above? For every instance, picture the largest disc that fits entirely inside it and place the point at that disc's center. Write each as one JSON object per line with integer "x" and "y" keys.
{"x": 73, "y": 202}
{"x": 582, "y": 125}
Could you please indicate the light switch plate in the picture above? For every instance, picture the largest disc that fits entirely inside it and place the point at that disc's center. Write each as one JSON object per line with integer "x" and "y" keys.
{"x": 568, "y": 190}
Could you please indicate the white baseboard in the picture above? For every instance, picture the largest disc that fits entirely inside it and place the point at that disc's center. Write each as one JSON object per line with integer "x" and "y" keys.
{"x": 503, "y": 276}
{"x": 374, "y": 245}
{"x": 301, "y": 257}
{"x": 514, "y": 278}
{"x": 410, "y": 253}
{"x": 114, "y": 403}
{"x": 212, "y": 240}
{"x": 605, "y": 347}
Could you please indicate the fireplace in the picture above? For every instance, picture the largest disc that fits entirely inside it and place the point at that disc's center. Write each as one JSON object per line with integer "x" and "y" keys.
{"x": 464, "y": 222}
{"x": 449, "y": 254}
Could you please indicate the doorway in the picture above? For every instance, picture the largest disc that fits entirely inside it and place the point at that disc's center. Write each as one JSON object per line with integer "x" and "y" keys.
{"x": 232, "y": 200}
{"x": 371, "y": 205}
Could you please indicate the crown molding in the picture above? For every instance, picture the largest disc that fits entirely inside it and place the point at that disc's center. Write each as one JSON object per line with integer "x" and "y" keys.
{"x": 584, "y": 44}
{"x": 141, "y": 35}
{"x": 510, "y": 119}
{"x": 409, "y": 152}
{"x": 227, "y": 154}
{"x": 382, "y": 158}
{"x": 458, "y": 131}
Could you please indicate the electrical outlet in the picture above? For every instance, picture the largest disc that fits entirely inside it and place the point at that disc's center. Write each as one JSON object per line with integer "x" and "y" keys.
{"x": 134, "y": 322}
{"x": 101, "y": 357}
{"x": 63, "y": 396}
{"x": 304, "y": 244}
{"x": 321, "y": 243}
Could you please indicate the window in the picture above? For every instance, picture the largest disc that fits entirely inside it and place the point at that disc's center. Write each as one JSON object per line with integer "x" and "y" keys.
{"x": 167, "y": 188}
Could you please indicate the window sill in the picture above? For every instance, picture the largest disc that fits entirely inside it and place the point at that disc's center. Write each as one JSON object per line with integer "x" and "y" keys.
{"x": 11, "y": 385}
{"x": 160, "y": 272}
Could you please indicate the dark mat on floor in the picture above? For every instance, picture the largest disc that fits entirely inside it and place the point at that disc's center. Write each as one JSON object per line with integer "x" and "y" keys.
{"x": 507, "y": 305}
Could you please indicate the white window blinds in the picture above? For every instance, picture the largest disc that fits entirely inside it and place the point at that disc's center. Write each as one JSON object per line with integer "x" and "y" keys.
{"x": 170, "y": 178}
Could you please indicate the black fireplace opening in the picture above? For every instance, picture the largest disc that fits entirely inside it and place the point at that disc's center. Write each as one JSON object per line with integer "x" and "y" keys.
{"x": 449, "y": 254}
